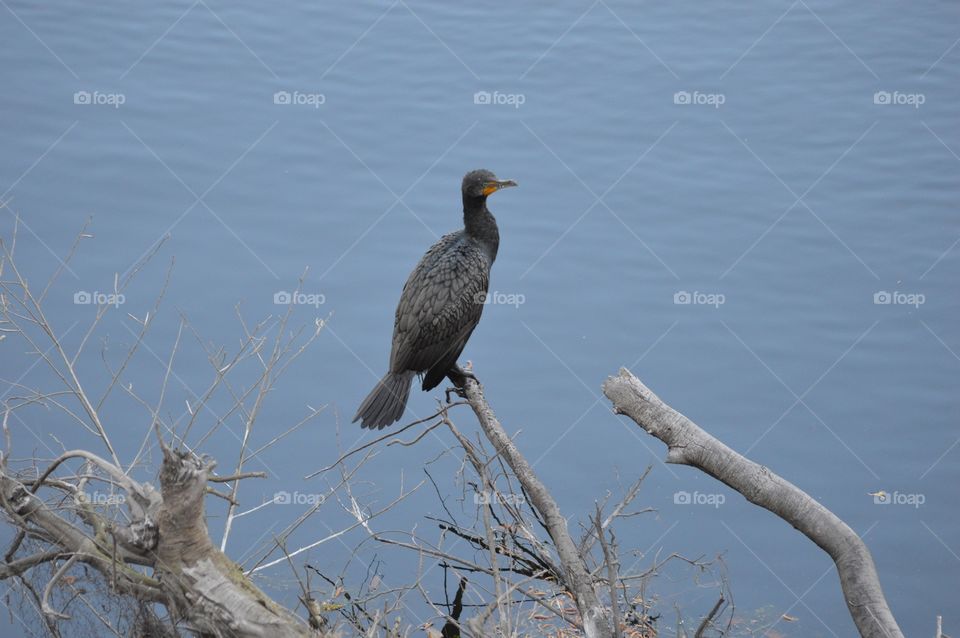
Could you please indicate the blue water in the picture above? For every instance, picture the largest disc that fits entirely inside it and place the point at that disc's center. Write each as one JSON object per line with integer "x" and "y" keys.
{"x": 782, "y": 189}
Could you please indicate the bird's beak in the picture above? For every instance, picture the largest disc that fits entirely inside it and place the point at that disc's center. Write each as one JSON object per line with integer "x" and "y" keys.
{"x": 494, "y": 186}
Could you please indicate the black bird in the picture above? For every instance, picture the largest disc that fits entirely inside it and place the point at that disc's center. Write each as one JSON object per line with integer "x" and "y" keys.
{"x": 440, "y": 306}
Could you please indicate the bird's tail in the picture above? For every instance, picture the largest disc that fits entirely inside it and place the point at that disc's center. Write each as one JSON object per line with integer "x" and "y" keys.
{"x": 386, "y": 402}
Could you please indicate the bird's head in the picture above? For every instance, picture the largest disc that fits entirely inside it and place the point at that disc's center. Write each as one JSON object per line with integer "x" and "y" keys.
{"x": 480, "y": 183}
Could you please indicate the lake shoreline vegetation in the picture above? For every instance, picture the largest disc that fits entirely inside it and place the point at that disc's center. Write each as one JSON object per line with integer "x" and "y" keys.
{"x": 146, "y": 554}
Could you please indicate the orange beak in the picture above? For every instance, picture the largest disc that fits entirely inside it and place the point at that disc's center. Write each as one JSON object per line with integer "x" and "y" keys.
{"x": 494, "y": 186}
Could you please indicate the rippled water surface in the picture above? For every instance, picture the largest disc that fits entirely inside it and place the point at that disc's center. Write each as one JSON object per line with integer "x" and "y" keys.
{"x": 777, "y": 165}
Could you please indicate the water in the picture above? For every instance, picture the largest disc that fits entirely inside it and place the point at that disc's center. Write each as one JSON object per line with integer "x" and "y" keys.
{"x": 782, "y": 189}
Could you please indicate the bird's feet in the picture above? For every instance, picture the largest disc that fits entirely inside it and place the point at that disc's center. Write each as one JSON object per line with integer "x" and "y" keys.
{"x": 458, "y": 376}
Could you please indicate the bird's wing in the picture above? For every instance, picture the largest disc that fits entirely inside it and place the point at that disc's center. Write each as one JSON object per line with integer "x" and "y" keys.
{"x": 441, "y": 302}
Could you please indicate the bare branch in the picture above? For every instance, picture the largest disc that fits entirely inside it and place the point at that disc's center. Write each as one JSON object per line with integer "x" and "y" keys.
{"x": 576, "y": 575}
{"x": 688, "y": 444}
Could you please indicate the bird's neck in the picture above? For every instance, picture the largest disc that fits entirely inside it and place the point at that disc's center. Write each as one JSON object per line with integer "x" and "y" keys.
{"x": 480, "y": 224}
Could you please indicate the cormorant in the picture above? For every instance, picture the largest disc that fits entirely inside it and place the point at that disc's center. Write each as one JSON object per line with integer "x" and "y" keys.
{"x": 440, "y": 306}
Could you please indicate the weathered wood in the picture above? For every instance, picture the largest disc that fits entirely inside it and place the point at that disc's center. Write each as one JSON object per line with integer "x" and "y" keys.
{"x": 595, "y": 617}
{"x": 688, "y": 444}
{"x": 199, "y": 585}
{"x": 204, "y": 587}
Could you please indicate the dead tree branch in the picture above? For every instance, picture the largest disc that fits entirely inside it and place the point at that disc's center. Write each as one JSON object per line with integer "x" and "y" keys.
{"x": 688, "y": 444}
{"x": 576, "y": 575}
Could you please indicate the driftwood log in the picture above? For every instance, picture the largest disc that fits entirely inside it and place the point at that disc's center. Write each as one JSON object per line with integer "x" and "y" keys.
{"x": 688, "y": 444}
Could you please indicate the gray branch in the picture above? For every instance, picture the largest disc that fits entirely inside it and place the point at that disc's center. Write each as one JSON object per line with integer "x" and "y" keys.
{"x": 688, "y": 444}
{"x": 576, "y": 576}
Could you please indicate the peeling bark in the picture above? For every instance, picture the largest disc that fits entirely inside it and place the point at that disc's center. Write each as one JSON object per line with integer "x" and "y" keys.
{"x": 203, "y": 586}
{"x": 198, "y": 584}
{"x": 688, "y": 444}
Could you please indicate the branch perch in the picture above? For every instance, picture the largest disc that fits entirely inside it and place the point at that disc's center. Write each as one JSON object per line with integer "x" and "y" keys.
{"x": 576, "y": 576}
